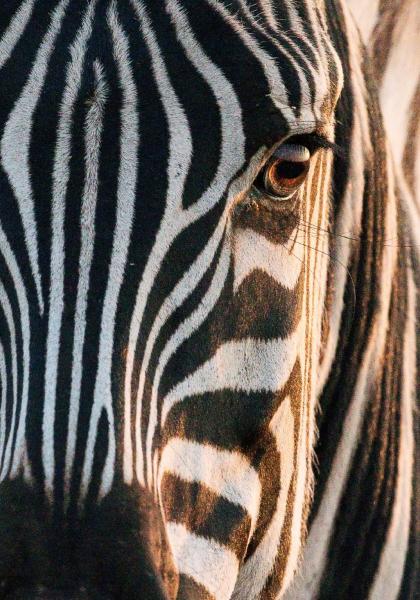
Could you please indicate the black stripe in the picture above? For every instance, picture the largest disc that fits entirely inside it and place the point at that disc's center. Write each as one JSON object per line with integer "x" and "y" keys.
{"x": 189, "y": 589}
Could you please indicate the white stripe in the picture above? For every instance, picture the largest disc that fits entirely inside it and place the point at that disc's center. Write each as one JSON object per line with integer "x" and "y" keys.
{"x": 391, "y": 566}
{"x": 282, "y": 262}
{"x": 61, "y": 175}
{"x": 227, "y": 474}
{"x": 211, "y": 565}
{"x": 93, "y": 131}
{"x": 20, "y": 290}
{"x": 269, "y": 13}
{"x": 247, "y": 365}
{"x": 3, "y": 385}
{"x": 126, "y": 198}
{"x": 26, "y": 467}
{"x": 14, "y": 31}
{"x": 8, "y": 313}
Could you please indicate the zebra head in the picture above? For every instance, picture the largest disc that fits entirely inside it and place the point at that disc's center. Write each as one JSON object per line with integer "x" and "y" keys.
{"x": 165, "y": 183}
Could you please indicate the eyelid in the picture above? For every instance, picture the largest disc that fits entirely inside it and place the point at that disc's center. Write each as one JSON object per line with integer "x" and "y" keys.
{"x": 323, "y": 142}
{"x": 315, "y": 141}
{"x": 292, "y": 152}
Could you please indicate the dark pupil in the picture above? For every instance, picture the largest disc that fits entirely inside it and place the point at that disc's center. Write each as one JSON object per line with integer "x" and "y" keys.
{"x": 289, "y": 170}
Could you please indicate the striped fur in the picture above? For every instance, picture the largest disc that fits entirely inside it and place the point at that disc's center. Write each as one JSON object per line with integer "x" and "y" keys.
{"x": 365, "y": 496}
{"x": 174, "y": 348}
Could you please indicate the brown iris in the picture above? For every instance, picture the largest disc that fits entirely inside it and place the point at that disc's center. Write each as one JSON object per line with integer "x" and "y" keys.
{"x": 286, "y": 170}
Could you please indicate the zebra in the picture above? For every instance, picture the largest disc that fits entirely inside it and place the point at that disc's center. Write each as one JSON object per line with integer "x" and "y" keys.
{"x": 209, "y": 275}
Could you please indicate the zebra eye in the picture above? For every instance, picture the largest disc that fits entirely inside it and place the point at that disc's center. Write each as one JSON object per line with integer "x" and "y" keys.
{"x": 285, "y": 172}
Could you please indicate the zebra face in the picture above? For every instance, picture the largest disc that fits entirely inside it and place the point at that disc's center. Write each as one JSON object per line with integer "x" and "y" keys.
{"x": 164, "y": 180}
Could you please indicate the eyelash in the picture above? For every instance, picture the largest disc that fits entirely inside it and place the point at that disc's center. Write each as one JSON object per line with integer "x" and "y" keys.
{"x": 316, "y": 141}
